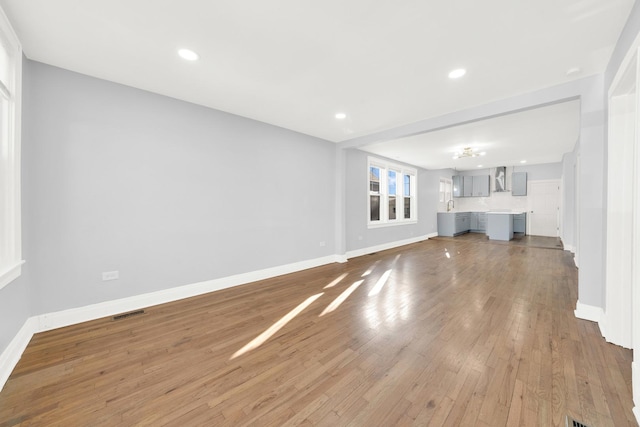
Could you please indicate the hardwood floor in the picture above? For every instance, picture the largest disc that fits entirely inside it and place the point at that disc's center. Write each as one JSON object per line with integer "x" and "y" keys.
{"x": 462, "y": 333}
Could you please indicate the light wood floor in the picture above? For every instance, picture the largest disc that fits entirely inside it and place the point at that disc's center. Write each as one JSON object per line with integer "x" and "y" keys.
{"x": 463, "y": 333}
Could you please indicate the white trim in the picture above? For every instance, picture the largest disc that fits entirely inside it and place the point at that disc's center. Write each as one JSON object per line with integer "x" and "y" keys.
{"x": 11, "y": 355}
{"x": 10, "y": 217}
{"x": 72, "y": 316}
{"x": 635, "y": 385}
{"x": 45, "y": 322}
{"x": 570, "y": 248}
{"x": 11, "y": 274}
{"x": 383, "y": 247}
{"x": 588, "y": 312}
{"x": 612, "y": 333}
{"x": 385, "y": 167}
{"x": 48, "y": 321}
{"x": 624, "y": 65}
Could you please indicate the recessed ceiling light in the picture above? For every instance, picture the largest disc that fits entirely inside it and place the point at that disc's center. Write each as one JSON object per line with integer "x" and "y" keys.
{"x": 483, "y": 153}
{"x": 189, "y": 55}
{"x": 479, "y": 166}
{"x": 523, "y": 161}
{"x": 457, "y": 73}
{"x": 341, "y": 116}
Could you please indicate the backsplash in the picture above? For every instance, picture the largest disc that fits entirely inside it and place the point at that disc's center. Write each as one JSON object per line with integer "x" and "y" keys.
{"x": 497, "y": 201}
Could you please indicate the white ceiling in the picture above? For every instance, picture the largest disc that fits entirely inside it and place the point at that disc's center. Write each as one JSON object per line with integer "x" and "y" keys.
{"x": 295, "y": 63}
{"x": 536, "y": 136}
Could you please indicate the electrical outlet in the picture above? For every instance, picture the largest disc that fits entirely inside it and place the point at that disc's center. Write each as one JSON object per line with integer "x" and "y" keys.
{"x": 110, "y": 275}
{"x": 323, "y": 243}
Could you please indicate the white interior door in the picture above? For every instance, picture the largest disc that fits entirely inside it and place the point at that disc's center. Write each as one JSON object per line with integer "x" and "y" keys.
{"x": 544, "y": 212}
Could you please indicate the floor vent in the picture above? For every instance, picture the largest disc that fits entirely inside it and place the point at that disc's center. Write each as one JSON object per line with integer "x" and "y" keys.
{"x": 573, "y": 423}
{"x": 127, "y": 315}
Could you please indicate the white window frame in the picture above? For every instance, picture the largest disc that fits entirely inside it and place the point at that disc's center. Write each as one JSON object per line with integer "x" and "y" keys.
{"x": 401, "y": 171}
{"x": 10, "y": 214}
{"x": 445, "y": 192}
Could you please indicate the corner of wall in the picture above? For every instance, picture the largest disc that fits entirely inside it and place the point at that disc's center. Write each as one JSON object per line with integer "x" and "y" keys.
{"x": 10, "y": 357}
{"x": 588, "y": 312}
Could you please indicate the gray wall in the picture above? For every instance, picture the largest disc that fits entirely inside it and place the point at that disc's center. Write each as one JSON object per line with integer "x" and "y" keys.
{"x": 358, "y": 236}
{"x": 569, "y": 212}
{"x": 14, "y": 309}
{"x": 166, "y": 192}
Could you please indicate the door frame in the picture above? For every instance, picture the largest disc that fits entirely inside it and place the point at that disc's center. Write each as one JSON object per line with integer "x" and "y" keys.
{"x": 620, "y": 322}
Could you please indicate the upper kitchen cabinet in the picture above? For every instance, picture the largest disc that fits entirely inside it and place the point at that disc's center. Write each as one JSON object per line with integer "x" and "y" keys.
{"x": 471, "y": 186}
{"x": 468, "y": 186}
{"x": 481, "y": 186}
{"x": 457, "y": 185}
{"x": 519, "y": 184}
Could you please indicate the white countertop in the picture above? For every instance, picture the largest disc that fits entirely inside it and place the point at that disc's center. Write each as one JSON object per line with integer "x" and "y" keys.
{"x": 459, "y": 211}
{"x": 506, "y": 213}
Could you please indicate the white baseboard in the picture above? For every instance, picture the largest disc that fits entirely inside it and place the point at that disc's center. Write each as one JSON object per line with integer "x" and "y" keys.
{"x": 385, "y": 246}
{"x": 616, "y": 335}
{"x": 635, "y": 386}
{"x": 45, "y": 322}
{"x": 11, "y": 355}
{"x": 570, "y": 248}
{"x": 588, "y": 312}
{"x": 73, "y": 316}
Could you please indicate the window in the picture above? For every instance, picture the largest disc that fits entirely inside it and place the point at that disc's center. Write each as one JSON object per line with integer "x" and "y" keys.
{"x": 445, "y": 193}
{"x": 10, "y": 97}
{"x": 445, "y": 190}
{"x": 392, "y": 193}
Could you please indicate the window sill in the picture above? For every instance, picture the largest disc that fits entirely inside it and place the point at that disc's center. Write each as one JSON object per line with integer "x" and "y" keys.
{"x": 10, "y": 274}
{"x": 391, "y": 224}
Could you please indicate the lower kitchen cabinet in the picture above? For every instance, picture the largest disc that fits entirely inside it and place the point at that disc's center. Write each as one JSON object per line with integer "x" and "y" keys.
{"x": 453, "y": 223}
{"x": 520, "y": 223}
{"x": 478, "y": 222}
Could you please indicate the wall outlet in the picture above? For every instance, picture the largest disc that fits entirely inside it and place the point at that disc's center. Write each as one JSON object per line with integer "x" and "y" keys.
{"x": 323, "y": 243}
{"x": 110, "y": 275}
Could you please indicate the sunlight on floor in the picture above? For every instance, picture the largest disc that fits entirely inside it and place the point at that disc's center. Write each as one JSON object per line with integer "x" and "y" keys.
{"x": 340, "y": 299}
{"x": 260, "y": 339}
{"x": 370, "y": 269}
{"x": 380, "y": 283}
{"x": 377, "y": 288}
{"x": 336, "y": 281}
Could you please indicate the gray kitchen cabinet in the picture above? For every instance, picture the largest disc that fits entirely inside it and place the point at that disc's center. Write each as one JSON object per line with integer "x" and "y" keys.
{"x": 473, "y": 221}
{"x": 519, "y": 184}
{"x": 462, "y": 222}
{"x": 457, "y": 186}
{"x": 478, "y": 222}
{"x": 471, "y": 186}
{"x": 468, "y": 185}
{"x": 520, "y": 223}
{"x": 481, "y": 186}
{"x": 482, "y": 221}
{"x": 453, "y": 223}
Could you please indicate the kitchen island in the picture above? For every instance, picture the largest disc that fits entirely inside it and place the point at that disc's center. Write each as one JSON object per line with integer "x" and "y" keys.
{"x": 500, "y": 224}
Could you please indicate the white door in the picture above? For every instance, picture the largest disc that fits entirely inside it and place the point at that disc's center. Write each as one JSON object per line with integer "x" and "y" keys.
{"x": 544, "y": 212}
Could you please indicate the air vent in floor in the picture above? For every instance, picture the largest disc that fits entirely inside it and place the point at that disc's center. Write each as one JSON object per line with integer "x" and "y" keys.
{"x": 127, "y": 315}
{"x": 573, "y": 423}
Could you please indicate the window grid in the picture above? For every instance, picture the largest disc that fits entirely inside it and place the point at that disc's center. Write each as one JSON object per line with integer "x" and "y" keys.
{"x": 392, "y": 194}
